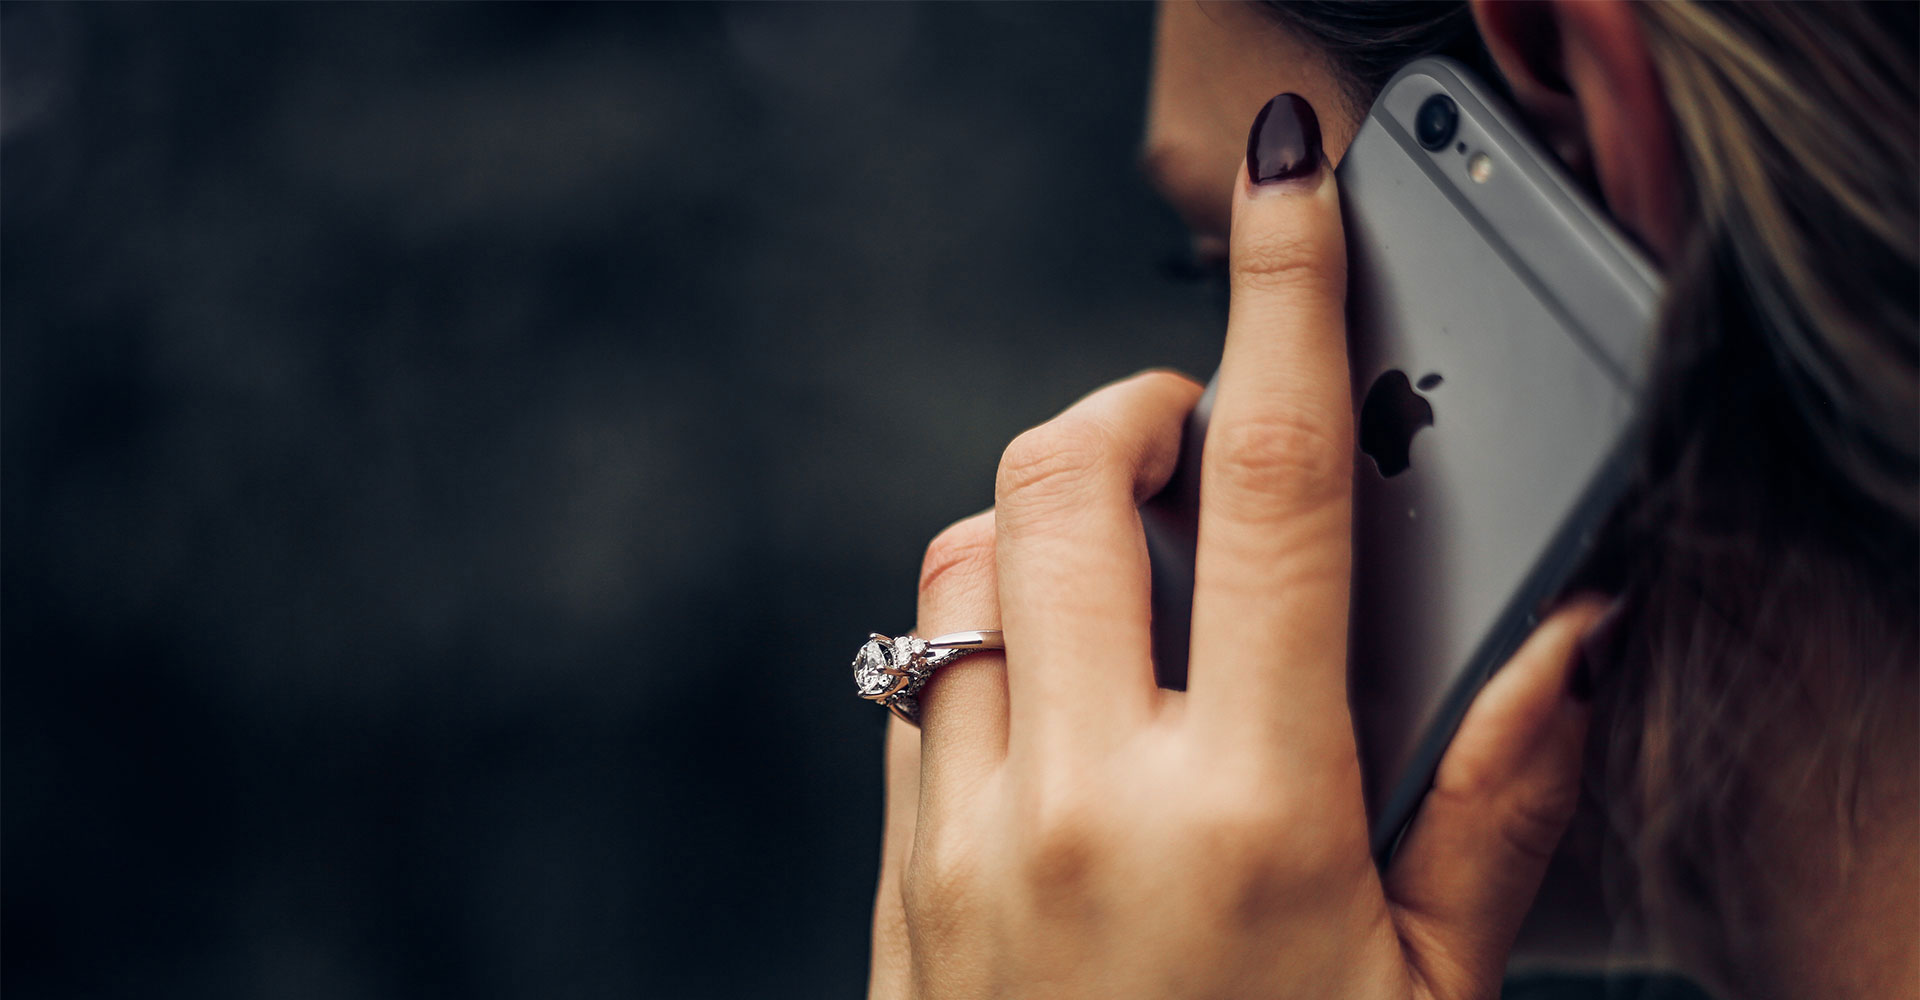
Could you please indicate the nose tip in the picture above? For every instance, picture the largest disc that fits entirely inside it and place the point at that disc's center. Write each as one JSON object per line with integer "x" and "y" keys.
{"x": 1203, "y": 259}
{"x": 1203, "y": 198}
{"x": 1209, "y": 251}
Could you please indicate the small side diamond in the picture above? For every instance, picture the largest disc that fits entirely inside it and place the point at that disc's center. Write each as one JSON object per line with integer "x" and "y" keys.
{"x": 909, "y": 654}
{"x": 869, "y": 670}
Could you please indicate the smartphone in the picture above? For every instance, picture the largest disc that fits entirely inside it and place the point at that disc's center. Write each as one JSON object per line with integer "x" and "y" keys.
{"x": 1498, "y": 326}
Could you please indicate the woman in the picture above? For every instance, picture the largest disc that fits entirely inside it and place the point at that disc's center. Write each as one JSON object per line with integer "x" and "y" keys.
{"x": 1060, "y": 827}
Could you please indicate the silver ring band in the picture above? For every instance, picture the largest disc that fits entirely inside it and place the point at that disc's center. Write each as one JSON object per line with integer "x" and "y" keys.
{"x": 892, "y": 670}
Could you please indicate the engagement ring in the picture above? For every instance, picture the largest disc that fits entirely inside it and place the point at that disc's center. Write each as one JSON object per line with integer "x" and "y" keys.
{"x": 892, "y": 671}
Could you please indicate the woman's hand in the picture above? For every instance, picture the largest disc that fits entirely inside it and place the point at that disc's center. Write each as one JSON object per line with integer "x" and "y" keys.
{"x": 1060, "y": 827}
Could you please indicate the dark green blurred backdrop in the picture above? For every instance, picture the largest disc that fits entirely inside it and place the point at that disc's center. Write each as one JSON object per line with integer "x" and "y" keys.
{"x": 451, "y": 454}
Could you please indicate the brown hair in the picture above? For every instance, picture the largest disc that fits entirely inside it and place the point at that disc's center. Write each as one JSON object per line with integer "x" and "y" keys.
{"x": 1771, "y": 548}
{"x": 1368, "y": 42}
{"x": 1767, "y": 555}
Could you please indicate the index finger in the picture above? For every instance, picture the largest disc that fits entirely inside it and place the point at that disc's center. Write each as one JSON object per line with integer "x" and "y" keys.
{"x": 1273, "y": 563}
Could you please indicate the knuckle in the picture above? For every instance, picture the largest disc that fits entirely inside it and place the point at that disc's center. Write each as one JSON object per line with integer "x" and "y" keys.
{"x": 1278, "y": 854}
{"x": 1239, "y": 836}
{"x": 1528, "y": 819}
{"x": 1288, "y": 454}
{"x": 1063, "y": 845}
{"x": 1059, "y": 864}
{"x": 1050, "y": 465}
{"x": 1280, "y": 259}
{"x": 1168, "y": 380}
{"x": 938, "y": 883}
{"x": 962, "y": 552}
{"x": 1534, "y": 818}
{"x": 1252, "y": 847}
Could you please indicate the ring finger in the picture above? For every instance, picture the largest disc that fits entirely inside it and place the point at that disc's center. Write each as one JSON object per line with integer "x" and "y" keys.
{"x": 963, "y": 708}
{"x": 1072, "y": 559}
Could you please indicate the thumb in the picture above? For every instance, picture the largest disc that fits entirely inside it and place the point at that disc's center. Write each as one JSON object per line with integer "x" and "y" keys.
{"x": 1470, "y": 865}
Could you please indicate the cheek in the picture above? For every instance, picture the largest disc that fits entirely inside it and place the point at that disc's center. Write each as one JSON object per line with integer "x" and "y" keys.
{"x": 1195, "y": 172}
{"x": 1194, "y": 152}
{"x": 1215, "y": 65}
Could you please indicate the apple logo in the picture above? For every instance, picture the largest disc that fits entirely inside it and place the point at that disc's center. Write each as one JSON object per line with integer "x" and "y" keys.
{"x": 1392, "y": 414}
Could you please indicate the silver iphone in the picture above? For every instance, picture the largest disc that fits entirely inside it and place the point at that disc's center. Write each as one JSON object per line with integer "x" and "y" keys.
{"x": 1498, "y": 325}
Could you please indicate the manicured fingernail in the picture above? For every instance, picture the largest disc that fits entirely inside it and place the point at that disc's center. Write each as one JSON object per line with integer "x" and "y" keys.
{"x": 1599, "y": 649}
{"x": 1285, "y": 141}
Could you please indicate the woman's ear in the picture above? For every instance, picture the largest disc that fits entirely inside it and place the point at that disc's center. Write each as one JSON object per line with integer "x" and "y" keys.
{"x": 1581, "y": 73}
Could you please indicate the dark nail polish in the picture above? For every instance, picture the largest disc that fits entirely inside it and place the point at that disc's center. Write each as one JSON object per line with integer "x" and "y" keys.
{"x": 1285, "y": 141}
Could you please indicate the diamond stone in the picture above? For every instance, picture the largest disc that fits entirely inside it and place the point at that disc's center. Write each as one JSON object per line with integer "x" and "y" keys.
{"x": 869, "y": 669}
{"x": 906, "y": 649}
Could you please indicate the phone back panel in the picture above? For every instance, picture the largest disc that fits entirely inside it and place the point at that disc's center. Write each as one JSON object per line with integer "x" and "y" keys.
{"x": 1521, "y": 319}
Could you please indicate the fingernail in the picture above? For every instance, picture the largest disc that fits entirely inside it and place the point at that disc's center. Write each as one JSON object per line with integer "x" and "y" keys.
{"x": 1285, "y": 141}
{"x": 1599, "y": 649}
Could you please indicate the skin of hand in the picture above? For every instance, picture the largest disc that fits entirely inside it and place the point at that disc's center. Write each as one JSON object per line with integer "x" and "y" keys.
{"x": 1061, "y": 827}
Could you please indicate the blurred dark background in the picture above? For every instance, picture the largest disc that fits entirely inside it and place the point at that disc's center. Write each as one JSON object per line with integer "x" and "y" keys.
{"x": 451, "y": 454}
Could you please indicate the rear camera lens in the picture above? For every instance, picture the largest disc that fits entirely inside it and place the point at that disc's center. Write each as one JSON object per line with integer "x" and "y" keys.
{"x": 1435, "y": 123}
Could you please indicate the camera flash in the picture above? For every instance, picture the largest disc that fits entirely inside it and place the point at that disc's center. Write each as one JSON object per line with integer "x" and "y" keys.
{"x": 1480, "y": 167}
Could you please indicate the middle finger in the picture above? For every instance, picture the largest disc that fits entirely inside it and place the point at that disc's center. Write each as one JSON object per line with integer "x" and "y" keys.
{"x": 1072, "y": 559}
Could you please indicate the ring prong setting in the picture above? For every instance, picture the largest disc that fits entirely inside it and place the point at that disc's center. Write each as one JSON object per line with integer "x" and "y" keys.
{"x": 892, "y": 670}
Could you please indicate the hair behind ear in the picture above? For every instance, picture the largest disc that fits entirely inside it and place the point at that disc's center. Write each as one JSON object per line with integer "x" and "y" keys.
{"x": 1773, "y": 542}
{"x": 1369, "y": 41}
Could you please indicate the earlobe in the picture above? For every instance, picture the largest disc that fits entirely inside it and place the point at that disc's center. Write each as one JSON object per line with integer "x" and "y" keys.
{"x": 1581, "y": 72}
